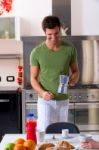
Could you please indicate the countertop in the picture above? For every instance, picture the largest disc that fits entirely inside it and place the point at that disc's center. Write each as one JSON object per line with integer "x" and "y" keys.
{"x": 73, "y": 139}
{"x": 9, "y": 89}
{"x": 10, "y": 138}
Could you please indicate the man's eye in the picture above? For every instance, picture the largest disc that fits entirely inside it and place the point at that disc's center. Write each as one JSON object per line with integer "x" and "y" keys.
{"x": 56, "y": 33}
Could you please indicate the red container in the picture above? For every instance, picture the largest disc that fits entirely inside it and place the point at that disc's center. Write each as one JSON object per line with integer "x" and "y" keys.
{"x": 31, "y": 124}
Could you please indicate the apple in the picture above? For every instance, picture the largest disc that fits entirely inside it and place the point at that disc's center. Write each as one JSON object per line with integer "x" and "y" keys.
{"x": 9, "y": 146}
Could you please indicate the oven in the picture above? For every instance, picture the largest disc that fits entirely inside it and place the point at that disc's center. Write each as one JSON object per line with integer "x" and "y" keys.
{"x": 10, "y": 112}
{"x": 31, "y": 107}
{"x": 71, "y": 112}
{"x": 86, "y": 116}
{"x": 29, "y": 104}
{"x": 84, "y": 108}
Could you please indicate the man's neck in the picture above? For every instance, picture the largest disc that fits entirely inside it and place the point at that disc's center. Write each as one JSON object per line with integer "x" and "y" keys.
{"x": 53, "y": 46}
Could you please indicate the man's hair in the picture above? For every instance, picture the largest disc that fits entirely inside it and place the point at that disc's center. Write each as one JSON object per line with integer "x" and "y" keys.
{"x": 50, "y": 22}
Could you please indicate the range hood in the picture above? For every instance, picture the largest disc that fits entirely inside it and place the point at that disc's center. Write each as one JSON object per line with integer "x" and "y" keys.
{"x": 63, "y": 10}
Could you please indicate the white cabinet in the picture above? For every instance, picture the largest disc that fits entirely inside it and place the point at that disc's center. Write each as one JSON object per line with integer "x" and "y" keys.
{"x": 11, "y": 46}
{"x": 10, "y": 35}
{"x": 10, "y": 28}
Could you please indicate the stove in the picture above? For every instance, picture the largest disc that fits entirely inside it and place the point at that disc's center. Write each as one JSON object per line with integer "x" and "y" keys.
{"x": 85, "y": 86}
{"x": 83, "y": 95}
{"x": 82, "y": 100}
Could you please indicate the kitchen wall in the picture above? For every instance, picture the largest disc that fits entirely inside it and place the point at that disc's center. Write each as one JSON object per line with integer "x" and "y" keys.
{"x": 31, "y": 14}
{"x": 11, "y": 53}
{"x": 84, "y": 21}
{"x": 8, "y": 67}
{"x": 84, "y": 16}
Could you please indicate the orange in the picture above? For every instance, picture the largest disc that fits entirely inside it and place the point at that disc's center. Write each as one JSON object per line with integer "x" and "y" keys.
{"x": 30, "y": 144}
{"x": 19, "y": 141}
{"x": 19, "y": 147}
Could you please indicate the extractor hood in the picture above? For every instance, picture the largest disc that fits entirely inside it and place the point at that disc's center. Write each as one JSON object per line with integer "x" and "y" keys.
{"x": 62, "y": 9}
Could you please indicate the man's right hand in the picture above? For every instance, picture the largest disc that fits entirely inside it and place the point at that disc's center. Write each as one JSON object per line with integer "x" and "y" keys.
{"x": 47, "y": 95}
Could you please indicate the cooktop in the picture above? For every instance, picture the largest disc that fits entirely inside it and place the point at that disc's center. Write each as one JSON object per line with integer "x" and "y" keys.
{"x": 77, "y": 86}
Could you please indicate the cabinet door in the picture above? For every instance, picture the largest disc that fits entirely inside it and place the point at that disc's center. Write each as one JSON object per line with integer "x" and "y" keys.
{"x": 9, "y": 28}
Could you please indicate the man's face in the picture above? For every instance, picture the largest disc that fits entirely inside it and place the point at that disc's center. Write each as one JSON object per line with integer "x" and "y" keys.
{"x": 53, "y": 35}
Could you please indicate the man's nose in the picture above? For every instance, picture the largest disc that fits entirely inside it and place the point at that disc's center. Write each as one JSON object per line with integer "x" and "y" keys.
{"x": 54, "y": 36}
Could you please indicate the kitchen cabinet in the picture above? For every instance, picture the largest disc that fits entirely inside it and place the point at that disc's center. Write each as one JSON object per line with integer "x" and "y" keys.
{"x": 10, "y": 36}
{"x": 10, "y": 56}
{"x": 10, "y": 28}
{"x": 8, "y": 47}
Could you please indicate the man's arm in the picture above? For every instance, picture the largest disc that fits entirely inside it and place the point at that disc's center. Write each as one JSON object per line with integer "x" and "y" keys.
{"x": 34, "y": 74}
{"x": 74, "y": 74}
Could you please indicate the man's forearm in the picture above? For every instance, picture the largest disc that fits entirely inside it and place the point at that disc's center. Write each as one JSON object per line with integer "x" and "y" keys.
{"x": 76, "y": 75}
{"x": 74, "y": 78}
{"x": 36, "y": 86}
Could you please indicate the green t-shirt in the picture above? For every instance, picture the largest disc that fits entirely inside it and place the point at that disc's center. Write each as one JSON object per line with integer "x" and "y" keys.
{"x": 52, "y": 65}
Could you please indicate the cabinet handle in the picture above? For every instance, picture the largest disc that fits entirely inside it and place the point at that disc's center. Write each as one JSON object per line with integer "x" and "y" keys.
{"x": 4, "y": 100}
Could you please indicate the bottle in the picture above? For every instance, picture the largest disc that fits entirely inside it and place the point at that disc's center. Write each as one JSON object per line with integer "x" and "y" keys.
{"x": 31, "y": 127}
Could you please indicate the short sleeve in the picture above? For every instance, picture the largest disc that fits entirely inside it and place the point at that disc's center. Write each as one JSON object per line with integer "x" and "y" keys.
{"x": 73, "y": 55}
{"x": 33, "y": 58}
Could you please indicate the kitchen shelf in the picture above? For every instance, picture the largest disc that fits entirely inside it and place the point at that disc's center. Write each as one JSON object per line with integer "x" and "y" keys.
{"x": 10, "y": 56}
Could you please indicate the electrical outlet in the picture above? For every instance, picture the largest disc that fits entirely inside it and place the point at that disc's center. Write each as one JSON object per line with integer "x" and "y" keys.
{"x": 10, "y": 78}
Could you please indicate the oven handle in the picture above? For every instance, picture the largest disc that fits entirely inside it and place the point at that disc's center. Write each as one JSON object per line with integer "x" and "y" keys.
{"x": 86, "y": 103}
{"x": 71, "y": 106}
{"x": 4, "y": 100}
{"x": 31, "y": 105}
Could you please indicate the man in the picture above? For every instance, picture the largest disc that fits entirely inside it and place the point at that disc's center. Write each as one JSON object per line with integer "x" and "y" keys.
{"x": 48, "y": 61}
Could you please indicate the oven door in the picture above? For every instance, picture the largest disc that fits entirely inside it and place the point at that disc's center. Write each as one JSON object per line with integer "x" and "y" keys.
{"x": 31, "y": 107}
{"x": 87, "y": 116}
{"x": 71, "y": 112}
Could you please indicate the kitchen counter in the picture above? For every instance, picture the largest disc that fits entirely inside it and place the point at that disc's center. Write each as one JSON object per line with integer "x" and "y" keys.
{"x": 9, "y": 88}
{"x": 73, "y": 138}
{"x": 8, "y": 138}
